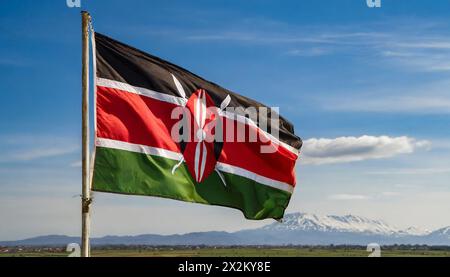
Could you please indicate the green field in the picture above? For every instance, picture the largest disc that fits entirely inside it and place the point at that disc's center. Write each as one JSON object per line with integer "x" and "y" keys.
{"x": 236, "y": 252}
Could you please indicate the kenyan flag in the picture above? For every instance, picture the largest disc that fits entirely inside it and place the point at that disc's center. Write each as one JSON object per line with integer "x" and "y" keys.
{"x": 164, "y": 131}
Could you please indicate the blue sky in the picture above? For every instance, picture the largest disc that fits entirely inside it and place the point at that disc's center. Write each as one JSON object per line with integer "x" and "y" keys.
{"x": 336, "y": 69}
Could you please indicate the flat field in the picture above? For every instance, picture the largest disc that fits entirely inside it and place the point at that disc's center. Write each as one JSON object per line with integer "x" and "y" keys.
{"x": 234, "y": 252}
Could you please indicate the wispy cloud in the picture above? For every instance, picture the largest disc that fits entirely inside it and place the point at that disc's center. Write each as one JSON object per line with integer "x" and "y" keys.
{"x": 399, "y": 44}
{"x": 390, "y": 193}
{"x": 431, "y": 104}
{"x": 419, "y": 57}
{"x": 407, "y": 186}
{"x": 374, "y": 196}
{"x": 23, "y": 148}
{"x": 348, "y": 197}
{"x": 404, "y": 45}
{"x": 285, "y": 34}
{"x": 351, "y": 149}
{"x": 13, "y": 62}
{"x": 430, "y": 98}
{"x": 76, "y": 164}
{"x": 39, "y": 152}
{"x": 411, "y": 171}
{"x": 310, "y": 52}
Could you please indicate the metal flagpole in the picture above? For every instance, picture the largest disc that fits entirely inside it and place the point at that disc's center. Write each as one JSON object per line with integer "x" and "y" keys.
{"x": 85, "y": 196}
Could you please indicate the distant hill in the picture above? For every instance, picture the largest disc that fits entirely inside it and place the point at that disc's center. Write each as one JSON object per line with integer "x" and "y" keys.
{"x": 296, "y": 229}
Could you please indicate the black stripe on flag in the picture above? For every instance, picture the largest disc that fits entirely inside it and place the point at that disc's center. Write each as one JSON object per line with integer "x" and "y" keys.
{"x": 120, "y": 62}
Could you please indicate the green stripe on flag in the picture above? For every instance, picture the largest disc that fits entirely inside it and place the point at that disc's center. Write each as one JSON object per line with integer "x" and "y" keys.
{"x": 125, "y": 172}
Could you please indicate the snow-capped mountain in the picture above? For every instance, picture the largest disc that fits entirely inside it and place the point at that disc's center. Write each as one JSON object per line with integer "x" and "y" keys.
{"x": 334, "y": 223}
{"x": 415, "y": 231}
{"x": 303, "y": 228}
{"x": 295, "y": 229}
{"x": 443, "y": 232}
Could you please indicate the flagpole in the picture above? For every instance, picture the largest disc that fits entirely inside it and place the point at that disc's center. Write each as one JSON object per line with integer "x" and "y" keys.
{"x": 85, "y": 196}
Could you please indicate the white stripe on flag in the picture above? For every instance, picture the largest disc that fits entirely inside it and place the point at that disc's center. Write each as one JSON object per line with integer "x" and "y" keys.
{"x": 255, "y": 177}
{"x": 245, "y": 120}
{"x": 141, "y": 91}
{"x": 137, "y": 148}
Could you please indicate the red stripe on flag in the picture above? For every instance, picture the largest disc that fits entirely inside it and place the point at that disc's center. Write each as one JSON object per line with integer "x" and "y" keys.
{"x": 278, "y": 165}
{"x": 134, "y": 118}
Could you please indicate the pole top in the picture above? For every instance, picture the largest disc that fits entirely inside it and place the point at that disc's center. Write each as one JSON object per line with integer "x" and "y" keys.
{"x": 86, "y": 17}
{"x": 85, "y": 14}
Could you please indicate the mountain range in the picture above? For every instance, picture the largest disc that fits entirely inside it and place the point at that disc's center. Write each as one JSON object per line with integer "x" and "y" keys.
{"x": 295, "y": 229}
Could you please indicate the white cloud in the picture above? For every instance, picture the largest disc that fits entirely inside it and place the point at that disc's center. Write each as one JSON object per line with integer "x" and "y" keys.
{"x": 351, "y": 149}
{"x": 407, "y": 186}
{"x": 393, "y": 43}
{"x": 346, "y": 197}
{"x": 431, "y": 98}
{"x": 411, "y": 171}
{"x": 76, "y": 164}
{"x": 407, "y": 45}
{"x": 390, "y": 193}
{"x": 310, "y": 52}
{"x": 430, "y": 104}
{"x": 39, "y": 153}
{"x": 289, "y": 35}
{"x": 12, "y": 62}
{"x": 22, "y": 148}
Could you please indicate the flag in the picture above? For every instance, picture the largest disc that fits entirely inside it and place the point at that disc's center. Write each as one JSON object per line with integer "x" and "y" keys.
{"x": 163, "y": 131}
